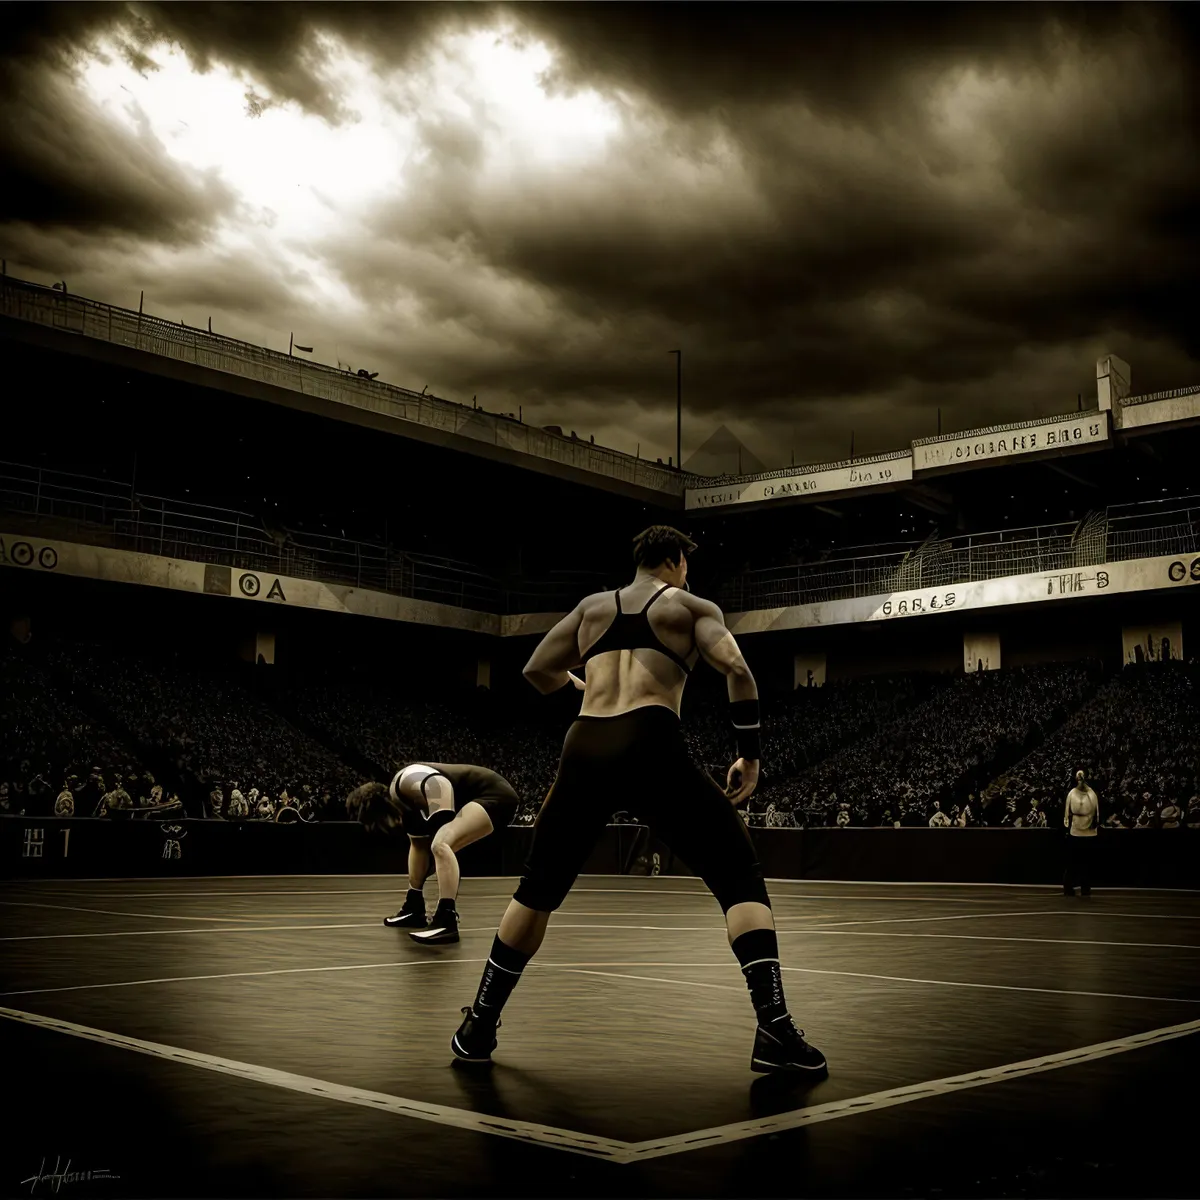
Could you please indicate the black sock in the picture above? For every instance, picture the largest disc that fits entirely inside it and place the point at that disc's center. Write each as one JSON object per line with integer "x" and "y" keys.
{"x": 414, "y": 901}
{"x": 758, "y": 952}
{"x": 501, "y": 974}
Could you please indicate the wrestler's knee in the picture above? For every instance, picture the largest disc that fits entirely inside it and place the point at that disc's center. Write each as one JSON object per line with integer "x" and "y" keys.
{"x": 543, "y": 893}
{"x": 741, "y": 885}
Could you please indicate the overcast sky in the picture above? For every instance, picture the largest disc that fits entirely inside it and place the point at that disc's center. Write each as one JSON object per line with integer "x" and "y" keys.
{"x": 846, "y": 217}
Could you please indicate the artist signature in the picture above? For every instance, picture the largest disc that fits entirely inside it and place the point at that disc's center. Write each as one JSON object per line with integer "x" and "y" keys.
{"x": 62, "y": 1174}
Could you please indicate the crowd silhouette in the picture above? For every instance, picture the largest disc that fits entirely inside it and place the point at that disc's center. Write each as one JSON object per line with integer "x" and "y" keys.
{"x": 90, "y": 730}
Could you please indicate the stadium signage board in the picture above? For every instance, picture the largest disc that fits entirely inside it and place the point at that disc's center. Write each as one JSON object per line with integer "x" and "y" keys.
{"x": 805, "y": 481}
{"x": 1047, "y": 435}
{"x": 26, "y": 552}
{"x": 1134, "y": 575}
{"x": 124, "y": 566}
{"x": 259, "y": 587}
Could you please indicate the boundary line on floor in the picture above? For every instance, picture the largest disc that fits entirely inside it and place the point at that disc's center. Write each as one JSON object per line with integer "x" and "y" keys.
{"x": 608, "y": 1149}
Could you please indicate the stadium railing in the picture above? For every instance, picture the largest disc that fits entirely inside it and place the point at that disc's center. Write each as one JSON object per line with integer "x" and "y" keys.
{"x": 100, "y": 511}
{"x": 1113, "y": 535}
{"x": 32, "y": 302}
{"x": 1150, "y": 397}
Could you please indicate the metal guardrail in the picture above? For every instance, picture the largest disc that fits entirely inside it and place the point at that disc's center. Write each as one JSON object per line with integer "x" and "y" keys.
{"x": 40, "y": 305}
{"x": 101, "y": 512}
{"x": 1169, "y": 394}
{"x": 1130, "y": 532}
{"x": 98, "y": 511}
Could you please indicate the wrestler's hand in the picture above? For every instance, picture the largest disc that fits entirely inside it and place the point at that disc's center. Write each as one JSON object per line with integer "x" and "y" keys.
{"x": 576, "y": 680}
{"x": 741, "y": 781}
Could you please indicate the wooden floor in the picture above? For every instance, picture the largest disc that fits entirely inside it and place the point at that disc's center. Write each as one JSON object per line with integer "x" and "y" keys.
{"x": 267, "y": 1036}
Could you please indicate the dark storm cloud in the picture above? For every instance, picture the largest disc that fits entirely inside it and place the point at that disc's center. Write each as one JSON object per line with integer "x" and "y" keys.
{"x": 65, "y": 168}
{"x": 848, "y": 216}
{"x": 877, "y": 250}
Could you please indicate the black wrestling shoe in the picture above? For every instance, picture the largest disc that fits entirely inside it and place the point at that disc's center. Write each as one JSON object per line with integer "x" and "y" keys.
{"x": 475, "y": 1039}
{"x": 782, "y": 1048}
{"x": 407, "y": 918}
{"x": 443, "y": 929}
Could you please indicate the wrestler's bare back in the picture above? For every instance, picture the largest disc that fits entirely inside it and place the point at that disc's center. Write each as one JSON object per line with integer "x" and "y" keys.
{"x": 626, "y": 679}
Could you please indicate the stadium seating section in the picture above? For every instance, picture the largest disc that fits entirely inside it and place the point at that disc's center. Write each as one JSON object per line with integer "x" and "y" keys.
{"x": 89, "y": 730}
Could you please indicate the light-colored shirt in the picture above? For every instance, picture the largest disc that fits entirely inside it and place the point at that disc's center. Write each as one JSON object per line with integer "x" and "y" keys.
{"x": 1083, "y": 809}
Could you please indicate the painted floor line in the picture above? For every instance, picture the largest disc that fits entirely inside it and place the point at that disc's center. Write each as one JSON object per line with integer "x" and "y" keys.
{"x": 578, "y": 970}
{"x": 996, "y": 987}
{"x": 124, "y": 983}
{"x": 985, "y": 937}
{"x": 1029, "y": 887}
{"x": 434, "y": 961}
{"x": 52, "y": 937}
{"x": 458, "y": 1118}
{"x": 988, "y": 916}
{"x": 112, "y": 912}
{"x": 609, "y": 1149}
{"x": 719, "y": 1135}
{"x": 957, "y": 937}
{"x": 1040, "y": 892}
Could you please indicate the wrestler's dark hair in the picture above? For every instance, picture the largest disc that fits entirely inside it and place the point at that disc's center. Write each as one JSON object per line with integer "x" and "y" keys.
{"x": 659, "y": 544}
{"x": 368, "y": 804}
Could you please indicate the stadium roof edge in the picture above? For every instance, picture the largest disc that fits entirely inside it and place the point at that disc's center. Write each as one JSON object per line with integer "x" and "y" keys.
{"x": 55, "y": 320}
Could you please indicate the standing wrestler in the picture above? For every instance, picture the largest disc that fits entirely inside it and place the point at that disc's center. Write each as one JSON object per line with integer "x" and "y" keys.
{"x": 442, "y": 807}
{"x": 640, "y": 644}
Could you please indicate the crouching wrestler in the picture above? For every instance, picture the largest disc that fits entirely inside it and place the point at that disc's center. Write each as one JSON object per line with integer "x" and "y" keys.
{"x": 442, "y": 807}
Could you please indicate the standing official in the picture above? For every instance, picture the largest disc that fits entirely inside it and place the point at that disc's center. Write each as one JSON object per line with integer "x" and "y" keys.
{"x": 1081, "y": 821}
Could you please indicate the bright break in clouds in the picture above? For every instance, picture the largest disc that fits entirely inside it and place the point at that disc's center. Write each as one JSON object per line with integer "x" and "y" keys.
{"x": 847, "y": 218}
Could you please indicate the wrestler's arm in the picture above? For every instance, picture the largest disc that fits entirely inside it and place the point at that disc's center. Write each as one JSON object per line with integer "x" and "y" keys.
{"x": 549, "y": 667}
{"x": 720, "y": 650}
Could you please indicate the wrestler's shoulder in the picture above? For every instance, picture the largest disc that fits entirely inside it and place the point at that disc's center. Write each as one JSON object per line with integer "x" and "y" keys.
{"x": 698, "y": 606}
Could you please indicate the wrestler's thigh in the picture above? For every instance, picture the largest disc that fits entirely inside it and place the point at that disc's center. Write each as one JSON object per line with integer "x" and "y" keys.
{"x": 470, "y": 825}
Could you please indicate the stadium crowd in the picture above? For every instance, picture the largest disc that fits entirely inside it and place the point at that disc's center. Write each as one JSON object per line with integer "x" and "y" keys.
{"x": 90, "y": 731}
{"x": 221, "y": 747}
{"x": 1139, "y": 742}
{"x": 930, "y": 763}
{"x": 54, "y": 758}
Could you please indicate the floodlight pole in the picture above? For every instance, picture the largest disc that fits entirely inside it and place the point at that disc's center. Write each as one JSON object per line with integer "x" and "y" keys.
{"x": 678, "y": 408}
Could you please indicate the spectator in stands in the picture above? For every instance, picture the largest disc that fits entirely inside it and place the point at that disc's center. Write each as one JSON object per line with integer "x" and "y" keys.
{"x": 238, "y": 809}
{"x": 64, "y": 805}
